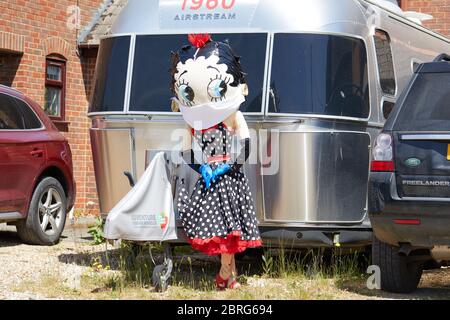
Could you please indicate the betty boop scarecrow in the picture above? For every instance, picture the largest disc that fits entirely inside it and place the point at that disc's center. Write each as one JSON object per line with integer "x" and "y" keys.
{"x": 219, "y": 217}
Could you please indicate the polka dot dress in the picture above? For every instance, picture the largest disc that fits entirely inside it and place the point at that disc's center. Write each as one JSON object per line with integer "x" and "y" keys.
{"x": 220, "y": 219}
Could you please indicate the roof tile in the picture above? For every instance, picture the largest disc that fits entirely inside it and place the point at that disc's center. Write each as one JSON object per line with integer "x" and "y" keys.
{"x": 102, "y": 22}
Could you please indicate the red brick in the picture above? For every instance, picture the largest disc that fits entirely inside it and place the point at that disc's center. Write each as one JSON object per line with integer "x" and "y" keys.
{"x": 439, "y": 9}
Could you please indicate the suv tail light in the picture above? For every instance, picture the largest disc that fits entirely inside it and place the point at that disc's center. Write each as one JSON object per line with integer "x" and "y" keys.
{"x": 382, "y": 154}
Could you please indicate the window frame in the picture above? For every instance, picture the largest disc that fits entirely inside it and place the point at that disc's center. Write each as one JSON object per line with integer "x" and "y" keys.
{"x": 52, "y": 60}
{"x": 128, "y": 76}
{"x": 387, "y": 99}
{"x": 385, "y": 96}
{"x": 313, "y": 115}
{"x": 265, "y": 83}
{"x": 392, "y": 59}
{"x": 177, "y": 115}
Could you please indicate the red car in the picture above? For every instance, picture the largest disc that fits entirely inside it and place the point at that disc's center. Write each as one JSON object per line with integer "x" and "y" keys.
{"x": 37, "y": 188}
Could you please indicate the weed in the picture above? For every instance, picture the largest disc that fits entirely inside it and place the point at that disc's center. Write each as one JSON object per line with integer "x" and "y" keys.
{"x": 267, "y": 264}
{"x": 314, "y": 264}
{"x": 134, "y": 265}
{"x": 96, "y": 231}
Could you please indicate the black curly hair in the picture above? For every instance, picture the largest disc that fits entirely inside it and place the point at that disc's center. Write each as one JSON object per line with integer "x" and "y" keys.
{"x": 221, "y": 49}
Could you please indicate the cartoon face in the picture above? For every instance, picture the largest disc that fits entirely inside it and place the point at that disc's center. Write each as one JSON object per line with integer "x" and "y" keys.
{"x": 203, "y": 81}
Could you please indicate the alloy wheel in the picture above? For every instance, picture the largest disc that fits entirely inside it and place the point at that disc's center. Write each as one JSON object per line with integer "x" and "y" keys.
{"x": 50, "y": 211}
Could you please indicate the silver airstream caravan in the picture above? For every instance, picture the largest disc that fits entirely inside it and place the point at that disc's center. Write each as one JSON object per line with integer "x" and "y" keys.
{"x": 323, "y": 76}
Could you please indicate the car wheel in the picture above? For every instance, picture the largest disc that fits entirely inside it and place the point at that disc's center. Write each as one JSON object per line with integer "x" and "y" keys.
{"x": 46, "y": 214}
{"x": 397, "y": 274}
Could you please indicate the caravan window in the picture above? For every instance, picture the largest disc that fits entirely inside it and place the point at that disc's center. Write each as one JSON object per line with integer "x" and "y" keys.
{"x": 385, "y": 62}
{"x": 150, "y": 90}
{"x": 111, "y": 75}
{"x": 320, "y": 75}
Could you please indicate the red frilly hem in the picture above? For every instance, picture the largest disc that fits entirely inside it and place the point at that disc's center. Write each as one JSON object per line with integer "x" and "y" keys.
{"x": 231, "y": 244}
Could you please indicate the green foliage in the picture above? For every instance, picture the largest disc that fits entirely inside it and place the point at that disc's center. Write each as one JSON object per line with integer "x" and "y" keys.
{"x": 135, "y": 264}
{"x": 267, "y": 264}
{"x": 96, "y": 231}
{"x": 313, "y": 264}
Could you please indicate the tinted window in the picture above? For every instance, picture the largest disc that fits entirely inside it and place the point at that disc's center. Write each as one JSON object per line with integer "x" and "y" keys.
{"x": 385, "y": 63}
{"x": 29, "y": 117}
{"x": 16, "y": 115}
{"x": 319, "y": 74}
{"x": 387, "y": 108}
{"x": 151, "y": 79}
{"x": 111, "y": 75}
{"x": 427, "y": 106}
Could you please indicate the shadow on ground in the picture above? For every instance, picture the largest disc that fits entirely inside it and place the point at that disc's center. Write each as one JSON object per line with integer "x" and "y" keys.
{"x": 438, "y": 289}
{"x": 9, "y": 239}
{"x": 191, "y": 270}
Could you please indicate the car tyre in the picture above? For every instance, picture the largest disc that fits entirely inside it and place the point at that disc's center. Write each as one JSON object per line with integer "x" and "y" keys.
{"x": 397, "y": 274}
{"x": 46, "y": 215}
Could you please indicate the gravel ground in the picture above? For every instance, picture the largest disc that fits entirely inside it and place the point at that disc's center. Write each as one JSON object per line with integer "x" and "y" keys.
{"x": 22, "y": 265}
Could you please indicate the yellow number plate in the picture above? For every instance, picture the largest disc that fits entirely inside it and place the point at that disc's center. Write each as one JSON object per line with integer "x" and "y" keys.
{"x": 448, "y": 151}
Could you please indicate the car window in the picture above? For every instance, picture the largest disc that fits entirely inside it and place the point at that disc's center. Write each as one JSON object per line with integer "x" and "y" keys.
{"x": 29, "y": 117}
{"x": 10, "y": 116}
{"x": 427, "y": 105}
{"x": 16, "y": 115}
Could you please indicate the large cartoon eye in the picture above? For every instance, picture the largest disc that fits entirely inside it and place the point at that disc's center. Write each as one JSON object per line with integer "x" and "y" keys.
{"x": 217, "y": 89}
{"x": 186, "y": 93}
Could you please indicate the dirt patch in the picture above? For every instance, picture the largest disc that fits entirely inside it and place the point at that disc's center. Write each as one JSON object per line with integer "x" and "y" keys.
{"x": 74, "y": 269}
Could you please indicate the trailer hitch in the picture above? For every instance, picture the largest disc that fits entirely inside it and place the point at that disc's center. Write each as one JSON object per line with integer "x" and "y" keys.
{"x": 130, "y": 178}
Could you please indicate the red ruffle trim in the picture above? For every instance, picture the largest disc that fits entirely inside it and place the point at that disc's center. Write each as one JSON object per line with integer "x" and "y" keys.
{"x": 231, "y": 244}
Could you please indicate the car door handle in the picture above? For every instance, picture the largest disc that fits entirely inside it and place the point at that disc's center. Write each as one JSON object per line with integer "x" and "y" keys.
{"x": 37, "y": 153}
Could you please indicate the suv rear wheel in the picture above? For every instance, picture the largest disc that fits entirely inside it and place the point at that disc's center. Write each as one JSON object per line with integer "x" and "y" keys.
{"x": 397, "y": 274}
{"x": 46, "y": 214}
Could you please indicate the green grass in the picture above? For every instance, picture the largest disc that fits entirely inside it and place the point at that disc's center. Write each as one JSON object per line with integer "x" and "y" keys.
{"x": 313, "y": 264}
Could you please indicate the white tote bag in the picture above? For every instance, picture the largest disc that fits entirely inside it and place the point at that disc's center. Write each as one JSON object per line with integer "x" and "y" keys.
{"x": 146, "y": 212}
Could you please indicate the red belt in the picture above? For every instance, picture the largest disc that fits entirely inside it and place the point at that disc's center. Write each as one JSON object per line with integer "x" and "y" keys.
{"x": 220, "y": 158}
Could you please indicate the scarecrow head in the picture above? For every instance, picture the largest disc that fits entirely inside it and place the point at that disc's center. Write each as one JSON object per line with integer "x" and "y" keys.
{"x": 207, "y": 81}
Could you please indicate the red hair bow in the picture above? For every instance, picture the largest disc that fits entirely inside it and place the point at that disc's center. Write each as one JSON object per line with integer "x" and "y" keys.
{"x": 199, "y": 40}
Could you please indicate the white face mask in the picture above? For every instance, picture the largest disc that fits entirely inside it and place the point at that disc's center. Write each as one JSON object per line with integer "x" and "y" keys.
{"x": 207, "y": 115}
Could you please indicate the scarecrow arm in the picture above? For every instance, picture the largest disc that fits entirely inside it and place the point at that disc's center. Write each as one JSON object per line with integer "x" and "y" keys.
{"x": 244, "y": 135}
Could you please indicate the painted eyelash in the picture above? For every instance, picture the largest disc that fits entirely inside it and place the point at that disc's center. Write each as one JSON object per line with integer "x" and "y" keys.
{"x": 220, "y": 76}
{"x": 218, "y": 99}
{"x": 179, "y": 84}
{"x": 226, "y": 80}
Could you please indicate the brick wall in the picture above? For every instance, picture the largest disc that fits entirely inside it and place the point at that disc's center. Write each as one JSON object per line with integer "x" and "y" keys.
{"x": 439, "y": 9}
{"x": 43, "y": 24}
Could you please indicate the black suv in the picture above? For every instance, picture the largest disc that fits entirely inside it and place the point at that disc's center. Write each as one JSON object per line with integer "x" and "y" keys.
{"x": 409, "y": 188}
